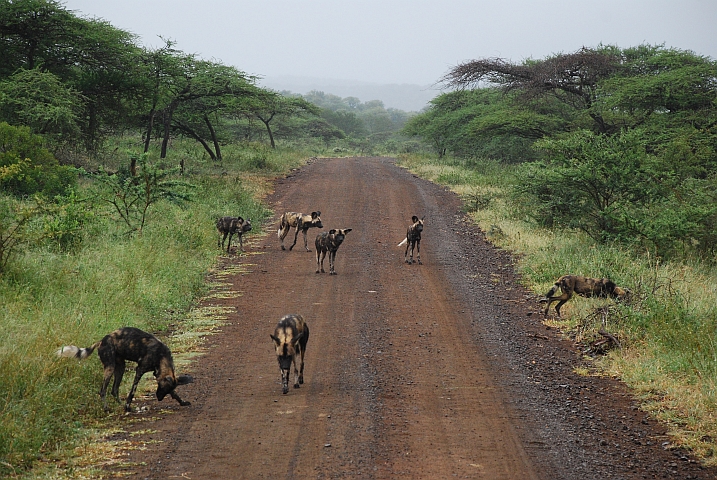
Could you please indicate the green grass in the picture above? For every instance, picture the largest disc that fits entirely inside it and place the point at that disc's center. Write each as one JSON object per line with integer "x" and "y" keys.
{"x": 52, "y": 298}
{"x": 668, "y": 331}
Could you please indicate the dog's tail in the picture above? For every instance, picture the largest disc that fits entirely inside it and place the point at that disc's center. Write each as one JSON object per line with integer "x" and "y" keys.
{"x": 72, "y": 351}
{"x": 403, "y": 242}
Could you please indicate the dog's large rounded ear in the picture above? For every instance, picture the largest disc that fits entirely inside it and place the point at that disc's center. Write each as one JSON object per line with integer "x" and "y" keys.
{"x": 297, "y": 338}
{"x": 414, "y": 219}
{"x": 276, "y": 340}
{"x": 184, "y": 379}
{"x": 332, "y": 231}
{"x": 240, "y": 219}
{"x": 315, "y": 214}
{"x": 347, "y": 230}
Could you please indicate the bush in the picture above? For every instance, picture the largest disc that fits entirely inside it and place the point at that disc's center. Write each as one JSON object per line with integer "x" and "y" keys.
{"x": 27, "y": 168}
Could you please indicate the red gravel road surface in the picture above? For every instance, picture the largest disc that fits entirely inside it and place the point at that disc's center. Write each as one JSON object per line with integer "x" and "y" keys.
{"x": 440, "y": 370}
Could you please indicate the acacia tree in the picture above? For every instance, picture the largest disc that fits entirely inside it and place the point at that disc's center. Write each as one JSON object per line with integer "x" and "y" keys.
{"x": 269, "y": 105}
{"x": 199, "y": 117}
{"x": 571, "y": 78}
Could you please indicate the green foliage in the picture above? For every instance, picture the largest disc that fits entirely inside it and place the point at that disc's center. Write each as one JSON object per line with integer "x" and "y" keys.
{"x": 14, "y": 221}
{"x": 622, "y": 142}
{"x": 131, "y": 196}
{"x": 42, "y": 102}
{"x": 84, "y": 278}
{"x": 26, "y": 167}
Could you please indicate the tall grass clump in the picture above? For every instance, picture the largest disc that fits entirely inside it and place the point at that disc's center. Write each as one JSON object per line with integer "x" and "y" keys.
{"x": 106, "y": 278}
{"x": 667, "y": 330}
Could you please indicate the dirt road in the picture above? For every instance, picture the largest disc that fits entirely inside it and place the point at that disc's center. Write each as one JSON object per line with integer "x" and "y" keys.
{"x": 440, "y": 370}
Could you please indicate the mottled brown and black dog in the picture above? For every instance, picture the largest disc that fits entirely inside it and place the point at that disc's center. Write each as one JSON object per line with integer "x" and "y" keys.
{"x": 413, "y": 239}
{"x": 583, "y": 286}
{"x": 132, "y": 344}
{"x": 232, "y": 226}
{"x": 290, "y": 338}
{"x": 300, "y": 222}
{"x": 329, "y": 242}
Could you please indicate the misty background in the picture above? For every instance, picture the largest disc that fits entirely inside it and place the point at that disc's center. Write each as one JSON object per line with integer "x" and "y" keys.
{"x": 396, "y": 51}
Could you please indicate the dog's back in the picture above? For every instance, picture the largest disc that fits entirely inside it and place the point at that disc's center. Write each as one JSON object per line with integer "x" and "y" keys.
{"x": 291, "y": 336}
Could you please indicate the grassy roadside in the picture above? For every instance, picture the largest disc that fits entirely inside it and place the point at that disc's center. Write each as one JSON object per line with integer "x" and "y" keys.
{"x": 667, "y": 332}
{"x": 50, "y": 413}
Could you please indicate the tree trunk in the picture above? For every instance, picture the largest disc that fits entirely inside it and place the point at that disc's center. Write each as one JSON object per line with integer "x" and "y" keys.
{"x": 268, "y": 129}
{"x": 150, "y": 128}
{"x": 197, "y": 137}
{"x": 215, "y": 140}
{"x": 168, "y": 114}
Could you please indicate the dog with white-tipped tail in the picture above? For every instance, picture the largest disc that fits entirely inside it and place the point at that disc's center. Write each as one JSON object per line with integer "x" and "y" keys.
{"x": 132, "y": 344}
{"x": 413, "y": 240}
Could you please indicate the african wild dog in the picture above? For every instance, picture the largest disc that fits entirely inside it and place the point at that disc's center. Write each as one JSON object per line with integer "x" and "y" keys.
{"x": 290, "y": 338}
{"x": 132, "y": 344}
{"x": 230, "y": 226}
{"x": 413, "y": 239}
{"x": 329, "y": 242}
{"x": 583, "y": 286}
{"x": 301, "y": 223}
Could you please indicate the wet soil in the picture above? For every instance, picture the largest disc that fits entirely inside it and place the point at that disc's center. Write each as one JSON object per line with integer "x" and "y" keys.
{"x": 439, "y": 370}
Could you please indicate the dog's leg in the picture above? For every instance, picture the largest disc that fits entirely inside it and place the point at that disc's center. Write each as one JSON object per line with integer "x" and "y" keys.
{"x": 332, "y": 259}
{"x": 108, "y": 372}
{"x": 229, "y": 245}
{"x": 296, "y": 235}
{"x": 120, "y": 366}
{"x": 306, "y": 242}
{"x": 320, "y": 263}
{"x": 301, "y": 370}
{"x": 241, "y": 242}
{"x": 561, "y": 301}
{"x": 296, "y": 371}
{"x": 405, "y": 255}
{"x": 418, "y": 251}
{"x": 176, "y": 397}
{"x": 130, "y": 396}
{"x": 283, "y": 232}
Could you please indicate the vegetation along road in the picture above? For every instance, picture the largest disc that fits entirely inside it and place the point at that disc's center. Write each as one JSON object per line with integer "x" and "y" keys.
{"x": 440, "y": 370}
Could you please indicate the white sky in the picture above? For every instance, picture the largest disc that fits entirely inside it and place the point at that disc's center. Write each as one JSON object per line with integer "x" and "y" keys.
{"x": 401, "y": 41}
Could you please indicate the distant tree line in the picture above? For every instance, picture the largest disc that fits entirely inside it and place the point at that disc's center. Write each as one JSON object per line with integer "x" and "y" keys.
{"x": 618, "y": 143}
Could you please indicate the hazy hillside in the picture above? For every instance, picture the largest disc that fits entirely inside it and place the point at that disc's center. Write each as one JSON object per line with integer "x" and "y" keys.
{"x": 410, "y": 98}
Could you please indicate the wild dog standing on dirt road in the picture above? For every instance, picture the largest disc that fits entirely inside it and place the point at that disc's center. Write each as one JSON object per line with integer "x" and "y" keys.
{"x": 132, "y": 344}
{"x": 300, "y": 222}
{"x": 329, "y": 242}
{"x": 290, "y": 338}
{"x": 583, "y": 286}
{"x": 231, "y": 226}
{"x": 413, "y": 239}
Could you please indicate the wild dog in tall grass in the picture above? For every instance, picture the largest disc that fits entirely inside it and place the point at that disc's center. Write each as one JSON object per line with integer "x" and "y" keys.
{"x": 132, "y": 344}
{"x": 290, "y": 338}
{"x": 413, "y": 239}
{"x": 583, "y": 286}
{"x": 300, "y": 222}
{"x": 232, "y": 226}
{"x": 329, "y": 242}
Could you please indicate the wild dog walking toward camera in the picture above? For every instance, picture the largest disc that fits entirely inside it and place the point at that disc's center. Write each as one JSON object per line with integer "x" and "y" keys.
{"x": 329, "y": 242}
{"x": 132, "y": 344}
{"x": 413, "y": 239}
{"x": 300, "y": 222}
{"x": 583, "y": 286}
{"x": 231, "y": 226}
{"x": 290, "y": 338}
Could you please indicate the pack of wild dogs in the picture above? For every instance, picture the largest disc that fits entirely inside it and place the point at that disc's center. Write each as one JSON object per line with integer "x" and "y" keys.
{"x": 291, "y": 334}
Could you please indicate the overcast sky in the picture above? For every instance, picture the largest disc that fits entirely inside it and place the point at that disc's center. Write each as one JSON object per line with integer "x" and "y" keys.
{"x": 401, "y": 41}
